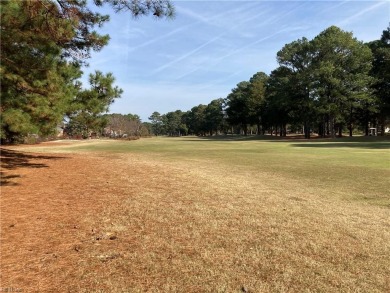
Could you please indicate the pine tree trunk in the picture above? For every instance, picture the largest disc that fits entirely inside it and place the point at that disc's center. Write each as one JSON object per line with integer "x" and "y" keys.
{"x": 327, "y": 126}
{"x": 307, "y": 130}
{"x": 350, "y": 121}
{"x": 367, "y": 123}
{"x": 382, "y": 120}
{"x": 332, "y": 126}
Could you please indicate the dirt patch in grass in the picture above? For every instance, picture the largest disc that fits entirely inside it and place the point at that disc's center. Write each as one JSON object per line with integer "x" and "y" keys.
{"x": 131, "y": 223}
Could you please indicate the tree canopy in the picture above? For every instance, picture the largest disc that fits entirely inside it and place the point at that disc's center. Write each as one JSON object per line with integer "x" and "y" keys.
{"x": 44, "y": 45}
{"x": 381, "y": 72}
{"x": 329, "y": 84}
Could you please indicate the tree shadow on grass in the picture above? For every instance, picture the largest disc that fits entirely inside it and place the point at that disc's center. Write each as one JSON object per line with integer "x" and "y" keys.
{"x": 369, "y": 142}
{"x": 233, "y": 138}
{"x": 362, "y": 145}
{"x": 13, "y": 160}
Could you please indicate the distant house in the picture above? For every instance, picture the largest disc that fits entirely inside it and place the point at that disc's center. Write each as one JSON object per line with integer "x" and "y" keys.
{"x": 108, "y": 131}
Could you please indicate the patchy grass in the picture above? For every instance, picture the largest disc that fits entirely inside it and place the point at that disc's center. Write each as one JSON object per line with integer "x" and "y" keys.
{"x": 351, "y": 169}
{"x": 197, "y": 215}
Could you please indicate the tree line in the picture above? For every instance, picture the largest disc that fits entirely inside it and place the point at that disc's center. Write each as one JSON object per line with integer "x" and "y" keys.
{"x": 327, "y": 85}
{"x": 44, "y": 44}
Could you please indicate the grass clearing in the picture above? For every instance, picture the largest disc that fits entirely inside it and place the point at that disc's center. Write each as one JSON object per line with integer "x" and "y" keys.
{"x": 197, "y": 215}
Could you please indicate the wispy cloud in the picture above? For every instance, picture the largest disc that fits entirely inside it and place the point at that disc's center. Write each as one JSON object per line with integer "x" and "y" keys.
{"x": 131, "y": 32}
{"x": 215, "y": 61}
{"x": 164, "y": 97}
{"x": 199, "y": 19}
{"x": 235, "y": 51}
{"x": 210, "y": 46}
{"x": 341, "y": 3}
{"x": 213, "y": 83}
{"x": 169, "y": 64}
{"x": 275, "y": 18}
{"x": 155, "y": 40}
{"x": 218, "y": 19}
{"x": 363, "y": 12}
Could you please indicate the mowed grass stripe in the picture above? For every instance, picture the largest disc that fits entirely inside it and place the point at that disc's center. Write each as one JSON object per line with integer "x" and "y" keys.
{"x": 353, "y": 169}
{"x": 205, "y": 228}
{"x": 195, "y": 229}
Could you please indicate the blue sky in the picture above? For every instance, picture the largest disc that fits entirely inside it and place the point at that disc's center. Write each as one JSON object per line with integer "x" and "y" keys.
{"x": 210, "y": 46}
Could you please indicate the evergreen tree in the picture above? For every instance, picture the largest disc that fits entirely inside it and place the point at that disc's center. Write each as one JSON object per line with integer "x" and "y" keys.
{"x": 44, "y": 44}
{"x": 381, "y": 72}
{"x": 88, "y": 106}
{"x": 214, "y": 117}
{"x": 296, "y": 58}
{"x": 157, "y": 123}
{"x": 341, "y": 66}
{"x": 256, "y": 101}
{"x": 195, "y": 119}
{"x": 238, "y": 111}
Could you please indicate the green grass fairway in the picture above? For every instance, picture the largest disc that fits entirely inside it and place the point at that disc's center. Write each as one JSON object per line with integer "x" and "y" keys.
{"x": 348, "y": 168}
{"x": 219, "y": 214}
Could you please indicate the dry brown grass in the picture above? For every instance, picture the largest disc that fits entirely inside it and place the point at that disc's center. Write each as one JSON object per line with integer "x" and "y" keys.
{"x": 131, "y": 223}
